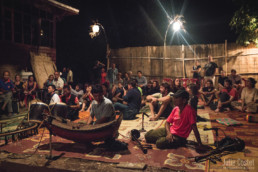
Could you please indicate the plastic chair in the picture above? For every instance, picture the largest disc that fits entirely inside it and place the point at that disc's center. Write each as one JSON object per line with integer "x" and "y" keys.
{"x": 168, "y": 80}
{"x": 193, "y": 80}
{"x": 184, "y": 82}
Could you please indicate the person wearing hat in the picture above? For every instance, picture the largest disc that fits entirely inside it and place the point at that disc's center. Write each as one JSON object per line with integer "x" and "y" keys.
{"x": 179, "y": 125}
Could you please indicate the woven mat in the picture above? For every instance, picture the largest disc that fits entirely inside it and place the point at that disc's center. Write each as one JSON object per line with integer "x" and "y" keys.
{"x": 169, "y": 158}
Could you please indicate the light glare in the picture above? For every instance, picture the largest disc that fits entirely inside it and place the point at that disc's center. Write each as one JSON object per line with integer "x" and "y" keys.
{"x": 95, "y": 28}
{"x": 176, "y": 26}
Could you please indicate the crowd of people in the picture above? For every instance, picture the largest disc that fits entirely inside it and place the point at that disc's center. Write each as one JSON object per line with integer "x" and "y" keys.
{"x": 113, "y": 91}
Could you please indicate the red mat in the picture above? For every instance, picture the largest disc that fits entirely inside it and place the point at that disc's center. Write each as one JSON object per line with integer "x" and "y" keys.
{"x": 172, "y": 158}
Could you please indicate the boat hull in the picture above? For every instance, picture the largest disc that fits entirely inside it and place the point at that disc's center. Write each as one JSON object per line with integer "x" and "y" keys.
{"x": 84, "y": 133}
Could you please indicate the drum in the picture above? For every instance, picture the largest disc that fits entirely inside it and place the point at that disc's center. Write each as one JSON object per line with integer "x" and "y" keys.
{"x": 59, "y": 109}
{"x": 36, "y": 112}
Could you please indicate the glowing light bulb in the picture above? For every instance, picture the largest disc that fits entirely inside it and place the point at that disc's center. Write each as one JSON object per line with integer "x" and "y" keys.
{"x": 95, "y": 28}
{"x": 176, "y": 26}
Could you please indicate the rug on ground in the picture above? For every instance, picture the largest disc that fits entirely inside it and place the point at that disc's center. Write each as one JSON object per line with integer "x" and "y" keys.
{"x": 170, "y": 158}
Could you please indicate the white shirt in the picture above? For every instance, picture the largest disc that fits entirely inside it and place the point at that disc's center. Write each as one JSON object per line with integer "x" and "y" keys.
{"x": 104, "y": 109}
{"x": 59, "y": 83}
{"x": 55, "y": 99}
{"x": 70, "y": 75}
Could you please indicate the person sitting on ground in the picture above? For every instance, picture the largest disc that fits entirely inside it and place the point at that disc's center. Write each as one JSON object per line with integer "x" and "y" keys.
{"x": 179, "y": 125}
{"x": 142, "y": 82}
{"x": 18, "y": 92}
{"x": 118, "y": 93}
{"x": 235, "y": 79}
{"x": 193, "y": 100}
{"x": 221, "y": 80}
{"x": 49, "y": 81}
{"x": 208, "y": 92}
{"x": 78, "y": 92}
{"x": 126, "y": 79}
{"x": 6, "y": 92}
{"x": 227, "y": 95}
{"x": 118, "y": 79}
{"x": 52, "y": 96}
{"x": 161, "y": 104}
{"x": 58, "y": 82}
{"x": 176, "y": 85}
{"x": 249, "y": 97}
{"x": 236, "y": 82}
{"x": 30, "y": 89}
{"x": 154, "y": 88}
{"x": 72, "y": 102}
{"x": 132, "y": 97}
{"x": 193, "y": 93}
{"x": 139, "y": 88}
{"x": 87, "y": 99}
{"x": 101, "y": 108}
{"x": 130, "y": 73}
{"x": 148, "y": 88}
{"x": 106, "y": 91}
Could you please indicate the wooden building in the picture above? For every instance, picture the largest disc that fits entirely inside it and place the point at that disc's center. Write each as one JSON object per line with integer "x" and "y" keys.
{"x": 29, "y": 27}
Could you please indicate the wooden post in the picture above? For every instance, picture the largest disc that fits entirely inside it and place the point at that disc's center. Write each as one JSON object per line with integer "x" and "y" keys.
{"x": 226, "y": 56}
{"x": 108, "y": 52}
{"x": 183, "y": 56}
{"x": 164, "y": 58}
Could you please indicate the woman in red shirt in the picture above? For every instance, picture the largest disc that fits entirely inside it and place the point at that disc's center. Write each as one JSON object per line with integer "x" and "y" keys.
{"x": 103, "y": 75}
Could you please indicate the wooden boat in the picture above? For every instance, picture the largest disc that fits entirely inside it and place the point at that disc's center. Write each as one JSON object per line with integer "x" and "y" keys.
{"x": 84, "y": 133}
{"x": 77, "y": 132}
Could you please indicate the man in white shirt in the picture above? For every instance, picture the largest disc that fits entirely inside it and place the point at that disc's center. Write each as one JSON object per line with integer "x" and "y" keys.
{"x": 53, "y": 97}
{"x": 58, "y": 82}
{"x": 101, "y": 108}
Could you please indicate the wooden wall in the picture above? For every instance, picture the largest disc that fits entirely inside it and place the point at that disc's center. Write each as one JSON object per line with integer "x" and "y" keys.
{"x": 159, "y": 62}
{"x": 15, "y": 57}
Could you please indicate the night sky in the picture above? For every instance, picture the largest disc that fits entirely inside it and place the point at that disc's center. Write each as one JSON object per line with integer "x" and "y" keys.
{"x": 130, "y": 23}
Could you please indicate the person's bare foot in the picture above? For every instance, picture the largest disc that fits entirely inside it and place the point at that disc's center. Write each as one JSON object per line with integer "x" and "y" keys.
{"x": 154, "y": 118}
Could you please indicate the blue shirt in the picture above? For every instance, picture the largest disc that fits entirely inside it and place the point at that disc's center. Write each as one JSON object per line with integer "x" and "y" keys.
{"x": 6, "y": 85}
{"x": 133, "y": 99}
